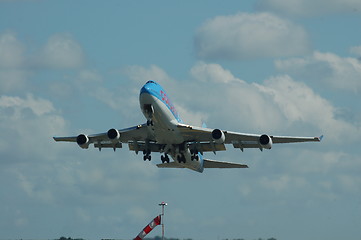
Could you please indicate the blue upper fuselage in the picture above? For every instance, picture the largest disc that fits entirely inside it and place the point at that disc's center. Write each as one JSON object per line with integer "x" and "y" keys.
{"x": 154, "y": 89}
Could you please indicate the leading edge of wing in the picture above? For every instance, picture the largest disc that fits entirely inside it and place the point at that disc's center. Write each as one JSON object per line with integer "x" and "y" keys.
{"x": 218, "y": 164}
{"x": 287, "y": 139}
{"x": 136, "y": 132}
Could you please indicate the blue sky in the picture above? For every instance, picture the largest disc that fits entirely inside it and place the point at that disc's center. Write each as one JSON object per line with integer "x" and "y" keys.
{"x": 268, "y": 66}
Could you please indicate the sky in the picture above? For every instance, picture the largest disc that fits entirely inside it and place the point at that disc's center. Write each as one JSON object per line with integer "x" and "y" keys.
{"x": 280, "y": 67}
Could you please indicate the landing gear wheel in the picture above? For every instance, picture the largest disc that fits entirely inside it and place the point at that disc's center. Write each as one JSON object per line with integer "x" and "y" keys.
{"x": 166, "y": 158}
{"x": 147, "y": 155}
{"x": 181, "y": 159}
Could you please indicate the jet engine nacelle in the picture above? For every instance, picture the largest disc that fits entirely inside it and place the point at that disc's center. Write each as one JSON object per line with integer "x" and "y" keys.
{"x": 113, "y": 135}
{"x": 83, "y": 141}
{"x": 265, "y": 141}
{"x": 218, "y": 136}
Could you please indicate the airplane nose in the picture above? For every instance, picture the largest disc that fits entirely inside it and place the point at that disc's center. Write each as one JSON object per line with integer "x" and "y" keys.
{"x": 145, "y": 89}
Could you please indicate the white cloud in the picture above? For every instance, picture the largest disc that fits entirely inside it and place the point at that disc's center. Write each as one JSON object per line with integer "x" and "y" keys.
{"x": 356, "y": 50}
{"x": 277, "y": 184}
{"x": 38, "y": 106}
{"x": 212, "y": 73}
{"x": 279, "y": 104}
{"x": 249, "y": 36}
{"x": 141, "y": 74}
{"x": 61, "y": 52}
{"x": 27, "y": 125}
{"x": 299, "y": 103}
{"x": 17, "y": 65}
{"x": 13, "y": 79}
{"x": 229, "y": 99}
{"x": 12, "y": 76}
{"x": 11, "y": 51}
{"x": 309, "y": 8}
{"x": 328, "y": 68}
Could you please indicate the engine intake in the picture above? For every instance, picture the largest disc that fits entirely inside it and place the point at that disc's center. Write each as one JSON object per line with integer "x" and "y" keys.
{"x": 113, "y": 134}
{"x": 82, "y": 140}
{"x": 265, "y": 141}
{"x": 218, "y": 136}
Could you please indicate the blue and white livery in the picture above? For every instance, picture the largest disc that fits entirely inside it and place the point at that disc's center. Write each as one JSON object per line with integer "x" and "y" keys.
{"x": 180, "y": 145}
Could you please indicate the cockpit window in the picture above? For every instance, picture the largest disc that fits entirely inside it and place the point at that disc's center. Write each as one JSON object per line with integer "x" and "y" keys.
{"x": 150, "y": 81}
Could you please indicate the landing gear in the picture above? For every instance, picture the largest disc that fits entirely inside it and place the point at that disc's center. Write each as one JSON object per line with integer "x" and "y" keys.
{"x": 164, "y": 158}
{"x": 147, "y": 155}
{"x": 194, "y": 155}
{"x": 149, "y": 123}
{"x": 181, "y": 158}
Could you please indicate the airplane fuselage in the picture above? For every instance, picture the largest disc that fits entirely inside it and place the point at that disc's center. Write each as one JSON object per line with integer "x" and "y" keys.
{"x": 162, "y": 120}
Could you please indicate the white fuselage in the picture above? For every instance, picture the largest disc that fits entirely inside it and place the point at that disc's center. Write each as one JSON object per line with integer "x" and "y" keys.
{"x": 163, "y": 128}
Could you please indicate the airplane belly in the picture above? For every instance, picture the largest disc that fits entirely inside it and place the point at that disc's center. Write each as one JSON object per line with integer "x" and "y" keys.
{"x": 164, "y": 124}
{"x": 195, "y": 165}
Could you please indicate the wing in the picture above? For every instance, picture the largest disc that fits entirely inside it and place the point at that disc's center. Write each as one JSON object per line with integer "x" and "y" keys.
{"x": 111, "y": 139}
{"x": 239, "y": 140}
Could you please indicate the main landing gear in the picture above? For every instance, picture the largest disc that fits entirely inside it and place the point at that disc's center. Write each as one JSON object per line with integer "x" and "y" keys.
{"x": 181, "y": 158}
{"x": 164, "y": 158}
{"x": 147, "y": 155}
{"x": 194, "y": 155}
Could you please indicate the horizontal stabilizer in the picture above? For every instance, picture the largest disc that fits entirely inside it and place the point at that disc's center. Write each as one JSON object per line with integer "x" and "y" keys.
{"x": 217, "y": 164}
{"x": 169, "y": 165}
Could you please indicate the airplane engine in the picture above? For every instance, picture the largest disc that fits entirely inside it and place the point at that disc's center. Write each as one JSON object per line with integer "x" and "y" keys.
{"x": 218, "y": 136}
{"x": 113, "y": 135}
{"x": 265, "y": 141}
{"x": 83, "y": 141}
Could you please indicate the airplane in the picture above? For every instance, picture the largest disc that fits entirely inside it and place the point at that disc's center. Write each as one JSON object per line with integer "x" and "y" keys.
{"x": 165, "y": 132}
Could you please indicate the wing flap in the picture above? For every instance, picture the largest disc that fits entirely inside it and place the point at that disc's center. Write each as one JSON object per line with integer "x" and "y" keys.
{"x": 207, "y": 147}
{"x": 141, "y": 146}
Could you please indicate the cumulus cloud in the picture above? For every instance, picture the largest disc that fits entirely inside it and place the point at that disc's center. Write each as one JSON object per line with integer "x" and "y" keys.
{"x": 328, "y": 68}
{"x": 278, "y": 104}
{"x": 12, "y": 74}
{"x": 299, "y": 103}
{"x": 309, "y": 8}
{"x": 37, "y": 106}
{"x": 231, "y": 101}
{"x": 11, "y": 51}
{"x": 212, "y": 73}
{"x": 26, "y": 119}
{"x": 356, "y": 50}
{"x": 250, "y": 36}
{"x": 141, "y": 74}
{"x": 17, "y": 65}
{"x": 61, "y": 52}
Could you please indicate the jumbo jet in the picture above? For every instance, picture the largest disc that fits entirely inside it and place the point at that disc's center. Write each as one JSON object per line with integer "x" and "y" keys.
{"x": 165, "y": 132}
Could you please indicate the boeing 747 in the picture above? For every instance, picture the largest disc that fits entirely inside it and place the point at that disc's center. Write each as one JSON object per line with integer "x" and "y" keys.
{"x": 165, "y": 132}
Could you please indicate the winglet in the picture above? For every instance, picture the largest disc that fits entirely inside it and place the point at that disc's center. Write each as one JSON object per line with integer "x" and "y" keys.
{"x": 320, "y": 138}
